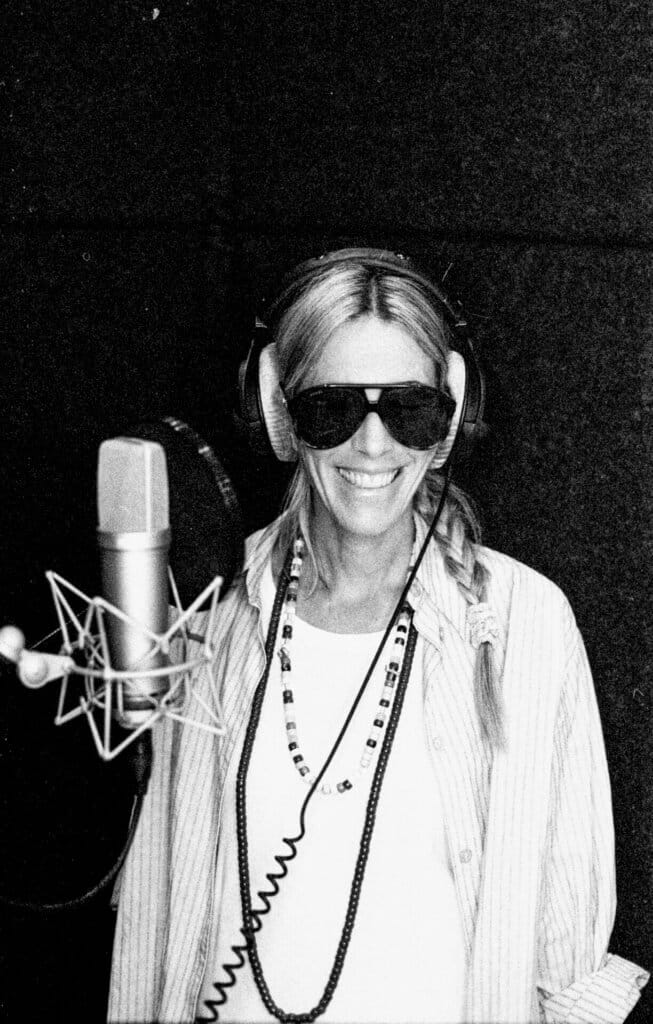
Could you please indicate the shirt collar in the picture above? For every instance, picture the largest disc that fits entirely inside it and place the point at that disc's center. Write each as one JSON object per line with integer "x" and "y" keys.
{"x": 434, "y": 595}
{"x": 258, "y": 550}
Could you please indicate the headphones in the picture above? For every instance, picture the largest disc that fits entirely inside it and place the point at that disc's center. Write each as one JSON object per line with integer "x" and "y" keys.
{"x": 260, "y": 399}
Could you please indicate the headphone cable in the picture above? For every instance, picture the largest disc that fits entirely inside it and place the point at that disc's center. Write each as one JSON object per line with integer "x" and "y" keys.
{"x": 291, "y": 843}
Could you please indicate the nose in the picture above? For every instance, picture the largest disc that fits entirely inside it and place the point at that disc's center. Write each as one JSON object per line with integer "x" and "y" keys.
{"x": 372, "y": 437}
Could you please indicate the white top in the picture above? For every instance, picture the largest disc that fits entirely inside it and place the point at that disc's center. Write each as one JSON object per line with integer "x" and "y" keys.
{"x": 408, "y": 919}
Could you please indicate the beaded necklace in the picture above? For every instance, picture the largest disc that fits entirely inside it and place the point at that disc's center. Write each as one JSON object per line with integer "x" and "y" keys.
{"x": 253, "y": 918}
{"x": 393, "y": 670}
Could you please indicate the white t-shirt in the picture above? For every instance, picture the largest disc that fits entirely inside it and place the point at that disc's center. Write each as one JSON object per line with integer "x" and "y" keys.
{"x": 405, "y": 963}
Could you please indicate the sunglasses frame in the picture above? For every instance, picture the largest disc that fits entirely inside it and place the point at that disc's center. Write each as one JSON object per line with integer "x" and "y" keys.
{"x": 444, "y": 400}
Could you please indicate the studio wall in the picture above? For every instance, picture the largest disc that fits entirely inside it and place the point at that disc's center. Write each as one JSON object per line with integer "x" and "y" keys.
{"x": 166, "y": 164}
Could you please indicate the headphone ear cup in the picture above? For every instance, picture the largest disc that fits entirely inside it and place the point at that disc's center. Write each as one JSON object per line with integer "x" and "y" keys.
{"x": 457, "y": 383}
{"x": 274, "y": 414}
{"x": 262, "y": 411}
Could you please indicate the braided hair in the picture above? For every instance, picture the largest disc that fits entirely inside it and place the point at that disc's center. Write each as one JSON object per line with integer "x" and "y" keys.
{"x": 458, "y": 536}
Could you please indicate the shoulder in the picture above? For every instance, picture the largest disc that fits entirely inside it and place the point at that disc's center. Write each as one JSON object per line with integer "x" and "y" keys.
{"x": 511, "y": 580}
{"x": 244, "y": 593}
{"x": 508, "y": 571}
{"x": 257, "y": 541}
{"x": 260, "y": 544}
{"x": 241, "y": 597}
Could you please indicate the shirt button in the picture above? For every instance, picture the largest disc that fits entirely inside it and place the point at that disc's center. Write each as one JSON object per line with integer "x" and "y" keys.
{"x": 465, "y": 856}
{"x": 437, "y": 743}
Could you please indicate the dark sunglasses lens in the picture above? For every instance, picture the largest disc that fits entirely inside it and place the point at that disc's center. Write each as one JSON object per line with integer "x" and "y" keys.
{"x": 325, "y": 419}
{"x": 415, "y": 417}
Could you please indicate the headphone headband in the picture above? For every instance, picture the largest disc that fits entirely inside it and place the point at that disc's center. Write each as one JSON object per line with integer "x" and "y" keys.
{"x": 375, "y": 259}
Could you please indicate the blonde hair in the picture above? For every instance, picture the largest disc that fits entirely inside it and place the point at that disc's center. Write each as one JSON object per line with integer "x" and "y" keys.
{"x": 339, "y": 294}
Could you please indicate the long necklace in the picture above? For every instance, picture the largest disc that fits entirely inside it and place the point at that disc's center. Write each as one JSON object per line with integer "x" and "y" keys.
{"x": 393, "y": 669}
{"x": 252, "y": 919}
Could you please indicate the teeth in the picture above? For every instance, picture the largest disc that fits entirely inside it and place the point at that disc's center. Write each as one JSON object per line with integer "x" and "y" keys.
{"x": 369, "y": 481}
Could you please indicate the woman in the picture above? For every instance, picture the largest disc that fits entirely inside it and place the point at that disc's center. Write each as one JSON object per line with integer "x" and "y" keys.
{"x": 408, "y": 814}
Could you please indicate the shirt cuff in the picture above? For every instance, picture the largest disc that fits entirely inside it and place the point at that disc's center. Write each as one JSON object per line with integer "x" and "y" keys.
{"x": 604, "y": 997}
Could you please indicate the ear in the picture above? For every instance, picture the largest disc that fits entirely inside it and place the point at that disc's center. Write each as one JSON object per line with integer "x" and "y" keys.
{"x": 273, "y": 406}
{"x": 457, "y": 382}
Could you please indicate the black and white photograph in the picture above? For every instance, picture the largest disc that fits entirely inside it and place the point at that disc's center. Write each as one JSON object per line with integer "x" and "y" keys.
{"x": 325, "y": 559}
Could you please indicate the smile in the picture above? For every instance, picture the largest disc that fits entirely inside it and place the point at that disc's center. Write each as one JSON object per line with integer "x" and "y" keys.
{"x": 368, "y": 481}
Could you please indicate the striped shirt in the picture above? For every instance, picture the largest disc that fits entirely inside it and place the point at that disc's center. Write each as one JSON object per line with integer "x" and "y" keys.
{"x": 529, "y": 827}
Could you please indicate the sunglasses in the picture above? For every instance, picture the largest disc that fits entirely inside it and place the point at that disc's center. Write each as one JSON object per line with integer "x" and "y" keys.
{"x": 417, "y": 416}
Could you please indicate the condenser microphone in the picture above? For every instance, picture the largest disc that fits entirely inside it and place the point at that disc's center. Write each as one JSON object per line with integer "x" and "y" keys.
{"x": 134, "y": 540}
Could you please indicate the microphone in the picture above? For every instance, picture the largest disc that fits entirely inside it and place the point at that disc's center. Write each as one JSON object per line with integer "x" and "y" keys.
{"x": 134, "y": 540}
{"x": 136, "y": 662}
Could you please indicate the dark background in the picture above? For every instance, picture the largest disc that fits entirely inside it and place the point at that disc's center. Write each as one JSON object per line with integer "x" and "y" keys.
{"x": 160, "y": 172}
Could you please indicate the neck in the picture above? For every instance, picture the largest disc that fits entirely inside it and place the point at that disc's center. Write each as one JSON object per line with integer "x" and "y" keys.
{"x": 361, "y": 577}
{"x": 344, "y": 558}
